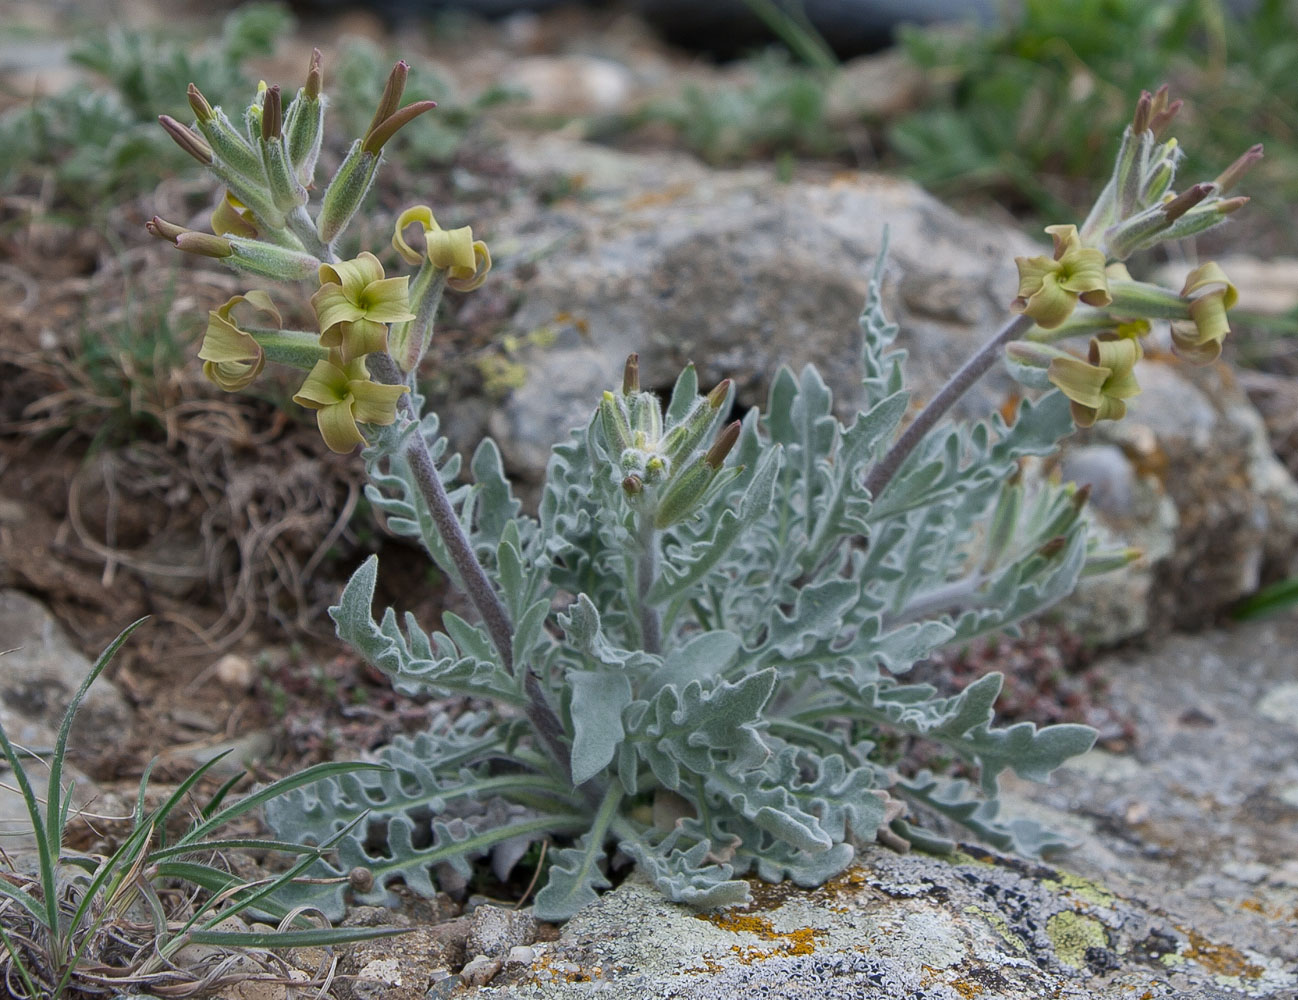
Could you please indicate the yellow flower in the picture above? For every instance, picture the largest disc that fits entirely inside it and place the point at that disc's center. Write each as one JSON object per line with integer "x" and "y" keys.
{"x": 342, "y": 395}
{"x": 355, "y": 303}
{"x": 1098, "y": 389}
{"x": 232, "y": 218}
{"x": 1211, "y": 294}
{"x": 465, "y": 260}
{"x": 1049, "y": 287}
{"x": 231, "y": 357}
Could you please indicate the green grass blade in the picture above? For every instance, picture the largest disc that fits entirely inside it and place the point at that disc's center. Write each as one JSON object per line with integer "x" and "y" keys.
{"x": 234, "y": 844}
{"x": 24, "y": 899}
{"x": 16, "y": 960}
{"x": 1268, "y": 601}
{"x": 219, "y": 795}
{"x": 55, "y": 811}
{"x": 49, "y": 918}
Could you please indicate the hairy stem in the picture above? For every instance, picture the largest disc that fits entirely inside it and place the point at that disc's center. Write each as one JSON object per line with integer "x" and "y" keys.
{"x": 477, "y": 584}
{"x": 651, "y": 626}
{"x": 975, "y": 368}
{"x": 300, "y": 224}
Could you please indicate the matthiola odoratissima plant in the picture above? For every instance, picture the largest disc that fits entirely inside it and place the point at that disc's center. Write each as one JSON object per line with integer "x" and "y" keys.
{"x": 687, "y": 658}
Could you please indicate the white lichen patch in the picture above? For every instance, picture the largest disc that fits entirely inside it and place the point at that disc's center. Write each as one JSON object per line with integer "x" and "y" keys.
{"x": 1281, "y": 704}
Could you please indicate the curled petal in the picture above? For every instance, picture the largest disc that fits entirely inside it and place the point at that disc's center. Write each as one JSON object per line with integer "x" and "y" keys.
{"x": 387, "y": 300}
{"x": 356, "y": 339}
{"x": 231, "y": 357}
{"x": 353, "y": 275}
{"x": 1119, "y": 356}
{"x": 1047, "y": 303}
{"x": 416, "y": 213}
{"x": 1065, "y": 239}
{"x": 232, "y": 217}
{"x": 1207, "y": 279}
{"x": 475, "y": 278}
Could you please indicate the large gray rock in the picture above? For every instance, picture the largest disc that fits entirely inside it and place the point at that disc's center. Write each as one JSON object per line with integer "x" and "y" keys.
{"x": 741, "y": 273}
{"x": 39, "y": 673}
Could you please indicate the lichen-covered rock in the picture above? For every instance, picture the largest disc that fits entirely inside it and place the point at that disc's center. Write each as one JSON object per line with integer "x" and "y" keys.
{"x": 894, "y": 926}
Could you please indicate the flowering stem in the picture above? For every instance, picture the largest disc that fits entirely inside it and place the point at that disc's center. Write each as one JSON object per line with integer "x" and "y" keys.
{"x": 975, "y": 368}
{"x": 651, "y": 628}
{"x": 304, "y": 229}
{"x": 477, "y": 585}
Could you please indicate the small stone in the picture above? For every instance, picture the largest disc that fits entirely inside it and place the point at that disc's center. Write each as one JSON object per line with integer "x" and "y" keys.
{"x": 234, "y": 671}
{"x": 1280, "y": 704}
{"x": 494, "y": 930}
{"x": 522, "y": 954}
{"x": 480, "y": 970}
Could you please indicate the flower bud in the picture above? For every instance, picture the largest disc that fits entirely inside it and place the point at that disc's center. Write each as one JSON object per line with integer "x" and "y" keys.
{"x": 346, "y": 191}
{"x": 285, "y": 190}
{"x": 646, "y": 417}
{"x": 631, "y": 375}
{"x": 205, "y": 245}
{"x": 186, "y": 139}
{"x": 304, "y": 125}
{"x": 1108, "y": 561}
{"x": 270, "y": 261}
{"x": 272, "y": 118}
{"x": 684, "y": 493}
{"x": 1231, "y": 176}
{"x": 198, "y": 103}
{"x": 726, "y": 440}
{"x": 616, "y": 424}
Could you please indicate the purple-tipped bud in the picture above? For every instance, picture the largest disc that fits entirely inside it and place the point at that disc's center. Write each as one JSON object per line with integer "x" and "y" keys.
{"x": 204, "y": 245}
{"x": 378, "y": 136}
{"x": 725, "y": 441}
{"x": 719, "y": 394}
{"x": 1080, "y": 497}
{"x": 1162, "y": 112}
{"x": 314, "y": 76}
{"x": 1186, "y": 200}
{"x": 1053, "y": 547}
{"x": 631, "y": 375}
{"x": 164, "y": 230}
{"x": 632, "y": 486}
{"x": 391, "y": 99}
{"x": 1228, "y": 206}
{"x": 272, "y": 115}
{"x": 1140, "y": 121}
{"x": 202, "y": 110}
{"x": 192, "y": 144}
{"x": 1232, "y": 174}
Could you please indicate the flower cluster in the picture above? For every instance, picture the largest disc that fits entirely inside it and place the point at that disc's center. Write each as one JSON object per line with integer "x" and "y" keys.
{"x": 261, "y": 225}
{"x": 1084, "y": 288}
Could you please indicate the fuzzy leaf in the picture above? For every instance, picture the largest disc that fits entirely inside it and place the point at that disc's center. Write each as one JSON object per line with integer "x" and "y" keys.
{"x": 598, "y": 699}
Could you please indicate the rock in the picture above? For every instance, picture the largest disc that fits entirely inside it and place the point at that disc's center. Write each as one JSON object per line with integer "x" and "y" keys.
{"x": 879, "y": 86}
{"x": 1202, "y": 819}
{"x": 571, "y": 85}
{"x": 234, "y": 671}
{"x": 38, "y": 677}
{"x": 406, "y": 966}
{"x": 480, "y": 970}
{"x": 742, "y": 274}
{"x": 494, "y": 930}
{"x": 893, "y": 926}
{"x": 40, "y": 674}
{"x": 1269, "y": 286}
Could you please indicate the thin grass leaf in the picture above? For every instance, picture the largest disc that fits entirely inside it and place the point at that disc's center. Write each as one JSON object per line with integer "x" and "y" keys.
{"x": 48, "y": 916}
{"x": 233, "y": 844}
{"x": 219, "y": 795}
{"x": 56, "y": 813}
{"x": 1268, "y": 601}
{"x": 24, "y": 899}
{"x": 144, "y": 787}
{"x": 18, "y": 964}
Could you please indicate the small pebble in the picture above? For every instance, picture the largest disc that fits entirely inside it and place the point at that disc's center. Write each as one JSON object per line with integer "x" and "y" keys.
{"x": 480, "y": 971}
{"x": 234, "y": 671}
{"x": 521, "y": 953}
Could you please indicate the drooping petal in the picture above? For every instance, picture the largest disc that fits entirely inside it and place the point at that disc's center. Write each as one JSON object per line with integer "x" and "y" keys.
{"x": 1207, "y": 279}
{"x": 452, "y": 250}
{"x": 356, "y": 339}
{"x": 1081, "y": 382}
{"x": 338, "y": 427}
{"x": 374, "y": 403}
{"x": 231, "y": 217}
{"x": 232, "y": 359}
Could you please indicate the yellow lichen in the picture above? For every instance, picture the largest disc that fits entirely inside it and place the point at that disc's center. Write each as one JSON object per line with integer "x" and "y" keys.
{"x": 1081, "y": 888}
{"x": 1219, "y": 959}
{"x": 1001, "y": 926}
{"x": 799, "y": 941}
{"x": 1072, "y": 934}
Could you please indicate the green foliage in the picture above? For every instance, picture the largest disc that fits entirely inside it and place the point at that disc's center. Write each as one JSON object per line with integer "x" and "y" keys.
{"x": 54, "y": 925}
{"x": 1024, "y": 110}
{"x": 788, "y": 604}
{"x": 101, "y": 144}
{"x": 779, "y": 111}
